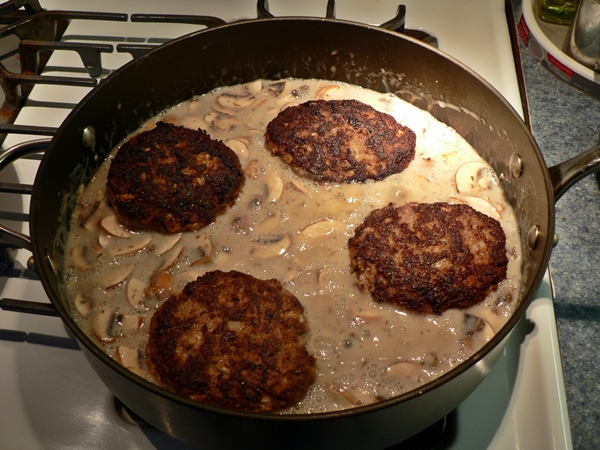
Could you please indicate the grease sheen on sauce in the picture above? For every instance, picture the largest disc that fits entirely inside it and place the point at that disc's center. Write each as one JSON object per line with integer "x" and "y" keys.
{"x": 365, "y": 351}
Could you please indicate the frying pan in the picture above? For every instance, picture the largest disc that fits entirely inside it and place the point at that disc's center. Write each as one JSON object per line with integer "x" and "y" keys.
{"x": 305, "y": 48}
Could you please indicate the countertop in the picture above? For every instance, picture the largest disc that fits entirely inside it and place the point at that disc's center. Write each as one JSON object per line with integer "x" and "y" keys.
{"x": 566, "y": 122}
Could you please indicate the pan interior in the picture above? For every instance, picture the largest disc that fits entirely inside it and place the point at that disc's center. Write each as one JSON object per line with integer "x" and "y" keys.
{"x": 301, "y": 48}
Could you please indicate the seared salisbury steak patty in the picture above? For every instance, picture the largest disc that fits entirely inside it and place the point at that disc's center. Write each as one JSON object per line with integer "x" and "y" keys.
{"x": 232, "y": 340}
{"x": 340, "y": 141}
{"x": 173, "y": 179}
{"x": 429, "y": 257}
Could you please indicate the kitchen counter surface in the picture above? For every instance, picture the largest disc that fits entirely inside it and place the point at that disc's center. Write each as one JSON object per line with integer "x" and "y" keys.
{"x": 566, "y": 122}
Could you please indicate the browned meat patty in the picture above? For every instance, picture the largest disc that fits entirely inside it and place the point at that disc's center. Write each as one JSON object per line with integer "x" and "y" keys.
{"x": 429, "y": 257}
{"x": 340, "y": 141}
{"x": 231, "y": 340}
{"x": 173, "y": 179}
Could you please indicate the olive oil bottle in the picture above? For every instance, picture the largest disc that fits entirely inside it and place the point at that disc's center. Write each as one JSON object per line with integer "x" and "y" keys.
{"x": 557, "y": 11}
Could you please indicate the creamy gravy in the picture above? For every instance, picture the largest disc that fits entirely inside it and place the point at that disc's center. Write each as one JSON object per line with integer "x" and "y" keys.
{"x": 295, "y": 230}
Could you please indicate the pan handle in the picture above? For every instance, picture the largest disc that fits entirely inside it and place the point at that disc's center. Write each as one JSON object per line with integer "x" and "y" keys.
{"x": 8, "y": 235}
{"x": 569, "y": 172}
{"x": 15, "y": 239}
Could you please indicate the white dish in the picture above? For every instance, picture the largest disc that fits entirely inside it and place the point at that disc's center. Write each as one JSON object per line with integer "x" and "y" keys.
{"x": 542, "y": 41}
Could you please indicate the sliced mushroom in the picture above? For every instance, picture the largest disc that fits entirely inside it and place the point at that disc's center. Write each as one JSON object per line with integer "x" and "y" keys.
{"x": 354, "y": 395}
{"x": 271, "y": 249}
{"x": 277, "y": 88}
{"x": 240, "y": 148}
{"x": 244, "y": 140}
{"x": 186, "y": 276}
{"x": 254, "y": 202}
{"x": 254, "y": 87}
{"x": 221, "y": 110}
{"x": 86, "y": 215}
{"x": 477, "y": 328}
{"x": 267, "y": 225}
{"x": 223, "y": 259}
{"x": 253, "y": 169}
{"x": 274, "y": 187}
{"x": 483, "y": 206}
{"x": 117, "y": 274}
{"x": 221, "y": 121}
{"x": 255, "y": 133}
{"x": 102, "y": 323}
{"x": 325, "y": 92}
{"x": 475, "y": 177}
{"x": 161, "y": 284}
{"x": 130, "y": 359}
{"x": 511, "y": 250}
{"x": 104, "y": 239}
{"x": 227, "y": 123}
{"x": 339, "y": 400}
{"x": 171, "y": 257}
{"x": 165, "y": 243}
{"x": 127, "y": 325}
{"x": 206, "y": 249}
{"x": 91, "y": 222}
{"x": 451, "y": 157}
{"x": 79, "y": 193}
{"x": 135, "y": 291}
{"x": 79, "y": 255}
{"x": 342, "y": 396}
{"x": 243, "y": 224}
{"x": 111, "y": 225}
{"x": 236, "y": 101}
{"x": 132, "y": 246}
{"x": 407, "y": 371}
{"x": 367, "y": 315}
{"x": 83, "y": 305}
{"x": 321, "y": 277}
{"x": 211, "y": 117}
{"x": 321, "y": 228}
{"x": 299, "y": 186}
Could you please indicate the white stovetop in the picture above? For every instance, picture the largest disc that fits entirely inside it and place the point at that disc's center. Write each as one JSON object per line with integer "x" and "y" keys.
{"x": 50, "y": 397}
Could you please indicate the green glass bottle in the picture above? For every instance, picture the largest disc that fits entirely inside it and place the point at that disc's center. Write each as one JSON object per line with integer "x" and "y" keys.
{"x": 557, "y": 11}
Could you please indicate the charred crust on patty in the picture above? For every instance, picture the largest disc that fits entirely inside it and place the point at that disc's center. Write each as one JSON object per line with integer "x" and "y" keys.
{"x": 173, "y": 179}
{"x": 429, "y": 257}
{"x": 340, "y": 141}
{"x": 232, "y": 340}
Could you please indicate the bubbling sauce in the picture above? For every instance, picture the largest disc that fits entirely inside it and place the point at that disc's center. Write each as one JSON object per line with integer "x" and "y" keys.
{"x": 295, "y": 230}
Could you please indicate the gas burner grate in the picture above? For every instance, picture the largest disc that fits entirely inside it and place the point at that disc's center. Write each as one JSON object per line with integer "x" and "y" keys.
{"x": 31, "y": 34}
{"x": 27, "y": 41}
{"x": 397, "y": 23}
